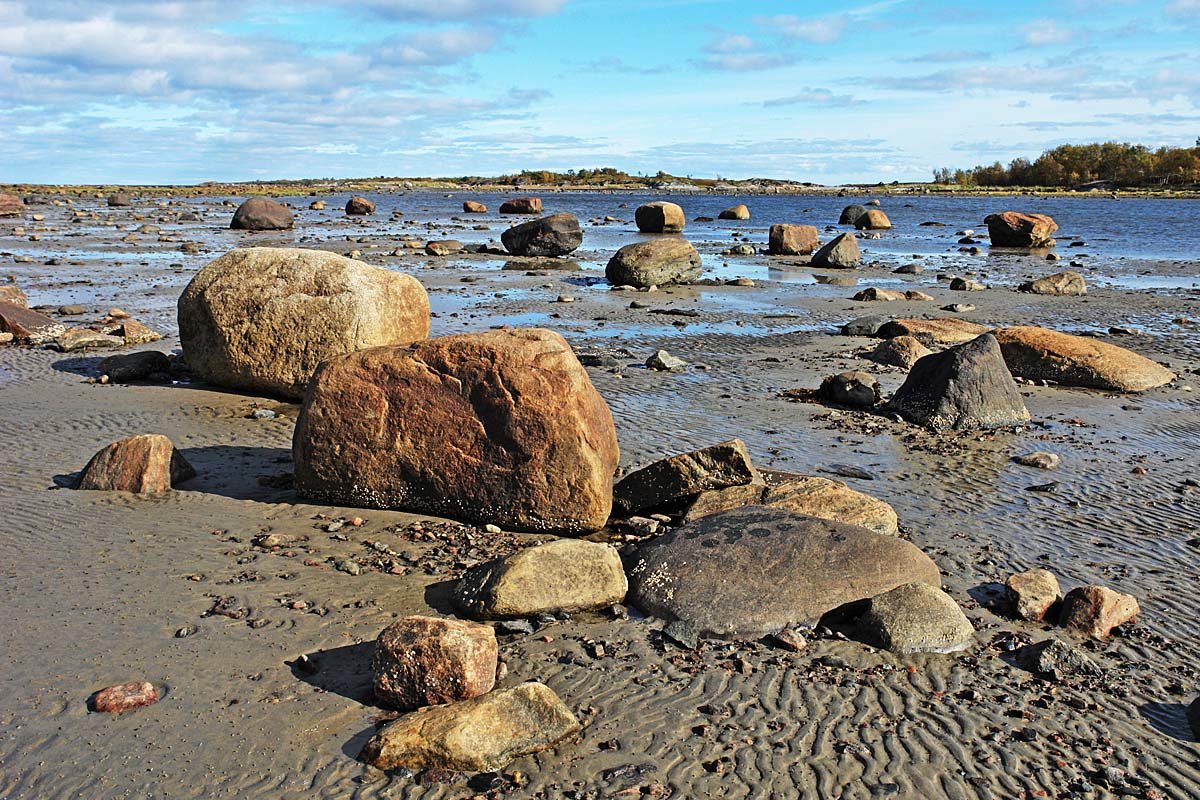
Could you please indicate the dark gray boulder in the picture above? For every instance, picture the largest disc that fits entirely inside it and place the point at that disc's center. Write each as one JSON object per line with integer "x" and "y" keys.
{"x": 135, "y": 366}
{"x": 555, "y": 235}
{"x": 753, "y": 571}
{"x": 840, "y": 253}
{"x": 853, "y": 389}
{"x": 962, "y": 388}
{"x": 852, "y": 214}
{"x": 657, "y": 262}
{"x": 261, "y": 214}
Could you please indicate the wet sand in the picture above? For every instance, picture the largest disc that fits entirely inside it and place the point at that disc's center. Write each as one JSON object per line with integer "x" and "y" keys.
{"x": 96, "y": 585}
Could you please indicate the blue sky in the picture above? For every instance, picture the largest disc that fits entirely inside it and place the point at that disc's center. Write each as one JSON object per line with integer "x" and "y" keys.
{"x": 132, "y": 91}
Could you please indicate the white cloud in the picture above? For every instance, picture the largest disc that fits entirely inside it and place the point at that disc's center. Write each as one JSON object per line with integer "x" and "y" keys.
{"x": 1042, "y": 32}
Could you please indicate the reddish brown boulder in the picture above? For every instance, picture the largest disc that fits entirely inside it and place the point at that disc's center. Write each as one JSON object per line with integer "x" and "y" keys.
{"x": 1043, "y": 354}
{"x": 792, "y": 240}
{"x": 124, "y": 697}
{"x": 11, "y": 205}
{"x": 473, "y": 207}
{"x": 1014, "y": 229}
{"x": 522, "y": 205}
{"x": 24, "y": 323}
{"x": 144, "y": 464}
{"x": 261, "y": 214}
{"x": 428, "y": 661}
{"x": 936, "y": 331}
{"x": 359, "y": 207}
{"x": 500, "y": 427}
{"x": 1096, "y": 610}
{"x": 660, "y": 217}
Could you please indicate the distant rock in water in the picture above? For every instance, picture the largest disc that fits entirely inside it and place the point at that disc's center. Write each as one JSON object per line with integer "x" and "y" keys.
{"x": 1043, "y": 354}
{"x": 502, "y": 427}
{"x": 144, "y": 464}
{"x": 753, "y": 571}
{"x": 1061, "y": 283}
{"x": 359, "y": 207}
{"x": 119, "y": 200}
{"x": 11, "y": 205}
{"x": 261, "y": 319}
{"x": 660, "y": 217}
{"x": 261, "y": 214}
{"x": 1015, "y": 229}
{"x": 738, "y": 212}
{"x": 963, "y": 388}
{"x": 657, "y": 262}
{"x": 851, "y": 214}
{"x": 792, "y": 240}
{"x": 841, "y": 253}
{"x": 522, "y": 205}
{"x": 474, "y": 207}
{"x": 873, "y": 220}
{"x": 555, "y": 235}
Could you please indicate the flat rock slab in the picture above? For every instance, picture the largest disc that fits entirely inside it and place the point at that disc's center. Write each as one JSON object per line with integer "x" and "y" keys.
{"x": 829, "y": 499}
{"x": 24, "y": 323}
{"x": 681, "y": 476}
{"x": 754, "y": 571}
{"x": 477, "y": 735}
{"x": 1043, "y": 354}
{"x": 566, "y": 575}
{"x": 942, "y": 331}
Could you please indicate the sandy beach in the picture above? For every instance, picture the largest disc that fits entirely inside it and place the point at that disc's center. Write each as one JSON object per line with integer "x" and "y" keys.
{"x": 262, "y": 653}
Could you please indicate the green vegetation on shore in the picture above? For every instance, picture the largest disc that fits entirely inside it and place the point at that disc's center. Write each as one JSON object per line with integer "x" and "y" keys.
{"x": 1112, "y": 164}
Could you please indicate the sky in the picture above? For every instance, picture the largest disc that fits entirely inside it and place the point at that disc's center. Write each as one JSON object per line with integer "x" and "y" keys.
{"x": 138, "y": 92}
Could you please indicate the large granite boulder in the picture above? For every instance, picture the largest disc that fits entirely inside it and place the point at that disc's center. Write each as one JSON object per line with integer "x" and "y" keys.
{"x": 851, "y": 214}
{"x": 564, "y": 575}
{"x": 500, "y": 427}
{"x": 477, "y": 735}
{"x": 963, "y": 388}
{"x": 873, "y": 220}
{"x": 940, "y": 331}
{"x": 120, "y": 200}
{"x": 555, "y": 235}
{"x": 474, "y": 207}
{"x": 143, "y": 464}
{"x": 261, "y": 214}
{"x": 429, "y": 661}
{"x": 670, "y": 480}
{"x": 359, "y": 207}
{"x": 522, "y": 205}
{"x": 657, "y": 262}
{"x": 1015, "y": 229}
{"x": 738, "y": 212}
{"x": 11, "y": 205}
{"x": 1096, "y": 610}
{"x": 25, "y": 324}
{"x": 1060, "y": 283}
{"x": 840, "y": 253}
{"x": 1043, "y": 354}
{"x": 753, "y": 571}
{"x": 792, "y": 240}
{"x": 660, "y": 217}
{"x": 261, "y": 319}
{"x": 916, "y": 618}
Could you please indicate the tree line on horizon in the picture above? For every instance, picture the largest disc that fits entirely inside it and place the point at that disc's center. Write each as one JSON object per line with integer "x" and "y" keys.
{"x": 1070, "y": 165}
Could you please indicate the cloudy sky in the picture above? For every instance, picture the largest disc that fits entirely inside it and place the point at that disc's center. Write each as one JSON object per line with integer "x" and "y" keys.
{"x": 135, "y": 91}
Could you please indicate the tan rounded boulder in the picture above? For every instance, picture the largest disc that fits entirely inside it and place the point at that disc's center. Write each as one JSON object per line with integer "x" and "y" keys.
{"x": 1015, "y": 229}
{"x": 143, "y": 464}
{"x": 660, "y": 217}
{"x": 500, "y": 427}
{"x": 359, "y": 207}
{"x": 261, "y": 319}
{"x": 565, "y": 575}
{"x": 428, "y": 661}
{"x": 738, "y": 212}
{"x": 1043, "y": 354}
{"x": 474, "y": 207}
{"x": 873, "y": 220}
{"x": 792, "y": 240}
{"x": 916, "y": 618}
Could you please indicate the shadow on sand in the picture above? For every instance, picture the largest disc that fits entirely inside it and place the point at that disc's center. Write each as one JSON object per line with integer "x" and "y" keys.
{"x": 1170, "y": 719}
{"x": 241, "y": 473}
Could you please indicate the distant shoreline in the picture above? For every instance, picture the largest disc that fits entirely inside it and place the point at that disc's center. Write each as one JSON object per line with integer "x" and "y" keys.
{"x": 705, "y": 187}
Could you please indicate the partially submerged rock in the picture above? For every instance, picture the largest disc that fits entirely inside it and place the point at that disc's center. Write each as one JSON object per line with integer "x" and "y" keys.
{"x": 443, "y": 247}
{"x": 477, "y": 735}
{"x": 1043, "y": 354}
{"x": 261, "y": 319}
{"x": 916, "y": 618}
{"x": 937, "y": 331}
{"x": 522, "y": 205}
{"x": 851, "y": 214}
{"x": 359, "y": 207}
{"x": 657, "y": 262}
{"x": 124, "y": 697}
{"x": 660, "y": 217}
{"x": 873, "y": 220}
{"x": 792, "y": 240}
{"x": 840, "y": 253}
{"x": 500, "y": 427}
{"x": 564, "y": 575}
{"x": 429, "y": 661}
{"x": 872, "y": 294}
{"x": 1015, "y": 229}
{"x": 754, "y": 571}
{"x": 474, "y": 207}
{"x": 1060, "y": 283}
{"x": 1032, "y": 593}
{"x": 679, "y": 477}
{"x": 120, "y": 200}
{"x": 738, "y": 212}
{"x": 143, "y": 464}
{"x": 261, "y": 214}
{"x": 1038, "y": 460}
{"x": 963, "y": 388}
{"x": 555, "y": 235}
{"x": 1096, "y": 610}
